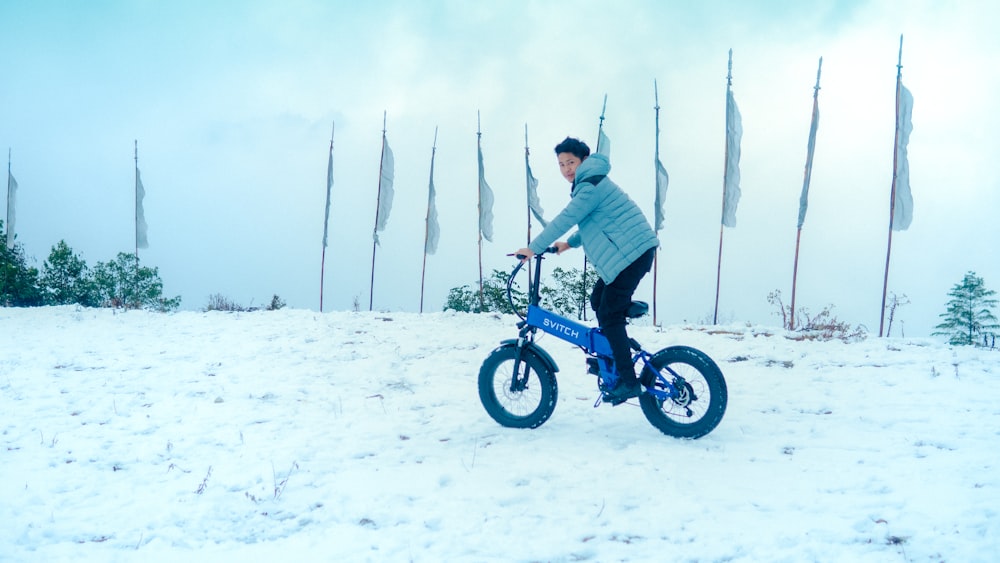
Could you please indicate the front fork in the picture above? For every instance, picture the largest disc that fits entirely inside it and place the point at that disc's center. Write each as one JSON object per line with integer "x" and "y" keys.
{"x": 518, "y": 383}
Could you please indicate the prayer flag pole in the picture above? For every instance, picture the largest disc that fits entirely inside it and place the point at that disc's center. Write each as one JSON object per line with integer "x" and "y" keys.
{"x": 326, "y": 216}
{"x": 731, "y": 174}
{"x": 11, "y": 190}
{"x": 534, "y": 207}
{"x": 804, "y": 198}
{"x": 895, "y": 175}
{"x": 140, "y": 228}
{"x": 656, "y": 186}
{"x": 485, "y": 209}
{"x": 138, "y": 202}
{"x": 528, "y": 181}
{"x": 431, "y": 226}
{"x": 378, "y": 215}
{"x": 479, "y": 147}
{"x": 602, "y": 143}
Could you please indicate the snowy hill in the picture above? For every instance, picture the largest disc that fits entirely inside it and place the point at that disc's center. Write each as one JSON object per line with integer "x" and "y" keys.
{"x": 294, "y": 435}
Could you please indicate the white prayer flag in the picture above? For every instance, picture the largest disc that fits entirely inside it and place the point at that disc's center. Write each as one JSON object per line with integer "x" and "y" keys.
{"x": 902, "y": 208}
{"x": 11, "y": 198}
{"x": 385, "y": 192}
{"x": 140, "y": 219}
{"x": 485, "y": 202}
{"x": 734, "y": 135}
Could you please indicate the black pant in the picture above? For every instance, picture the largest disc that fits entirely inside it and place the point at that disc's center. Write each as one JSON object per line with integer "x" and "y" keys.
{"x": 611, "y": 301}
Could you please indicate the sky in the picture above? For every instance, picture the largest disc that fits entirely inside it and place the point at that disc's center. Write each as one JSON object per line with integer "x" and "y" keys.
{"x": 232, "y": 104}
{"x": 298, "y": 436}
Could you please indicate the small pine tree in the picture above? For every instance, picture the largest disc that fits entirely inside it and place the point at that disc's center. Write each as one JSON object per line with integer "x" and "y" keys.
{"x": 123, "y": 283}
{"x": 19, "y": 286}
{"x": 276, "y": 303}
{"x": 66, "y": 278}
{"x": 969, "y": 316}
{"x": 467, "y": 299}
{"x": 568, "y": 293}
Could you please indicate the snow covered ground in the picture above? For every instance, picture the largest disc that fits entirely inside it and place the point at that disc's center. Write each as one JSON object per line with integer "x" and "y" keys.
{"x": 343, "y": 436}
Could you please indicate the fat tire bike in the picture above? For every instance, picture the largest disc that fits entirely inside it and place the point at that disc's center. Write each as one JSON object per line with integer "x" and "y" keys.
{"x": 684, "y": 393}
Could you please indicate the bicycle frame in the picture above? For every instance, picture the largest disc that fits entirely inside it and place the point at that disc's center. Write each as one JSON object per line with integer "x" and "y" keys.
{"x": 590, "y": 339}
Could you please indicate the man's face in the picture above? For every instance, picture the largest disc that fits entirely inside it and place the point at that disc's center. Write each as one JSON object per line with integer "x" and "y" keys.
{"x": 567, "y": 165}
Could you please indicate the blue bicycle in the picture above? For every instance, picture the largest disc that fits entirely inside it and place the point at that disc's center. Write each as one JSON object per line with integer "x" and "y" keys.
{"x": 684, "y": 393}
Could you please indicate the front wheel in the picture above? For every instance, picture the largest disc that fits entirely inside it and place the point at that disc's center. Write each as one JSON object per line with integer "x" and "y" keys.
{"x": 521, "y": 399}
{"x": 702, "y": 394}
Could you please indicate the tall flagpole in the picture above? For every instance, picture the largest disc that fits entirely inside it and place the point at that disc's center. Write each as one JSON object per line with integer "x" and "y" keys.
{"x": 725, "y": 180}
{"x": 807, "y": 175}
{"x": 10, "y": 204}
{"x": 479, "y": 192}
{"x": 656, "y": 181}
{"x": 10, "y": 234}
{"x": 326, "y": 217}
{"x": 527, "y": 183}
{"x": 378, "y": 200}
{"x": 135, "y": 279}
{"x": 136, "y": 192}
{"x": 427, "y": 221}
{"x": 600, "y": 135}
{"x": 892, "y": 195}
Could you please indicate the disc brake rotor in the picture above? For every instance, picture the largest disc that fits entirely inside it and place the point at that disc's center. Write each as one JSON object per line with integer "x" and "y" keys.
{"x": 685, "y": 394}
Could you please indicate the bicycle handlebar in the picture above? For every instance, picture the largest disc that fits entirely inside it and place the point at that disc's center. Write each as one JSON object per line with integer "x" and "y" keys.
{"x": 520, "y": 263}
{"x": 549, "y": 250}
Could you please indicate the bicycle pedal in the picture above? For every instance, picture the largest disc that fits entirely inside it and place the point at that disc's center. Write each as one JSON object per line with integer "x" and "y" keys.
{"x": 605, "y": 398}
{"x": 613, "y": 401}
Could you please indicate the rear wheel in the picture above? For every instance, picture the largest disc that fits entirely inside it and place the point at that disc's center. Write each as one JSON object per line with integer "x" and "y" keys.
{"x": 524, "y": 399}
{"x": 702, "y": 393}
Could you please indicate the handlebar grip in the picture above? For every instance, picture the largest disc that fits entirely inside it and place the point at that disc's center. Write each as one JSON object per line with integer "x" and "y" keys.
{"x": 549, "y": 250}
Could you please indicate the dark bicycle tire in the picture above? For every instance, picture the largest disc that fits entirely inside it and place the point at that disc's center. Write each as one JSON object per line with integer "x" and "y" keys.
{"x": 684, "y": 417}
{"x": 527, "y": 408}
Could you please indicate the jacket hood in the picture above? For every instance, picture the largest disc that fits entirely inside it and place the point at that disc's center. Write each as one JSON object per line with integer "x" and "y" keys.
{"x": 594, "y": 165}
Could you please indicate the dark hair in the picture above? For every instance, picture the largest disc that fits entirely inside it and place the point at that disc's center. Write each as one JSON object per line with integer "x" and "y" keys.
{"x": 576, "y": 147}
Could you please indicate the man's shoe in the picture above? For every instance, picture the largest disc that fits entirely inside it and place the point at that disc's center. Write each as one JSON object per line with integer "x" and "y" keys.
{"x": 624, "y": 391}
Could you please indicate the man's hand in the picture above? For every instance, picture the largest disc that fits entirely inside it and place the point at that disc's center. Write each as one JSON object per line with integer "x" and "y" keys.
{"x": 525, "y": 254}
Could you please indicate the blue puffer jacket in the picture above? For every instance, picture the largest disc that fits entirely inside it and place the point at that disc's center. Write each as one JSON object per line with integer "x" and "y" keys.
{"x": 612, "y": 229}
